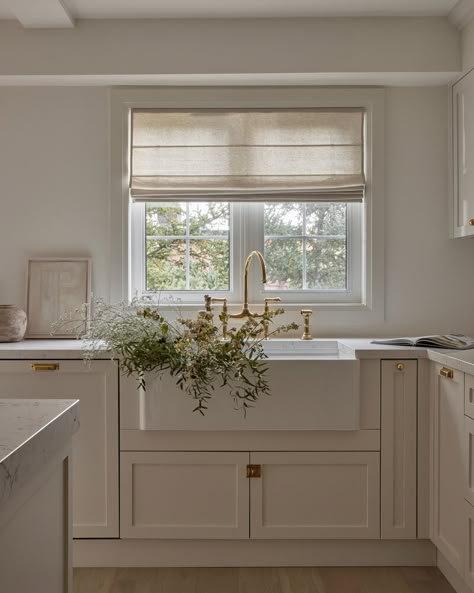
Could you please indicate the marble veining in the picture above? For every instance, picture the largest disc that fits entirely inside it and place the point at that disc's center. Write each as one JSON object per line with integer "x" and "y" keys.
{"x": 31, "y": 431}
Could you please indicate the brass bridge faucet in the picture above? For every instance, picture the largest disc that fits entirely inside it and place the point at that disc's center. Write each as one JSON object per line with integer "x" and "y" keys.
{"x": 245, "y": 308}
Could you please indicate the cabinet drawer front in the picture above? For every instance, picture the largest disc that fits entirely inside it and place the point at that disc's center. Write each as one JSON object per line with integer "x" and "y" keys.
{"x": 469, "y": 396}
{"x": 95, "y": 445}
{"x": 316, "y": 496}
{"x": 184, "y": 495}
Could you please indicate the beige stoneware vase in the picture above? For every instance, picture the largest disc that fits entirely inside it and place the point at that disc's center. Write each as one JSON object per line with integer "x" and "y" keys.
{"x": 12, "y": 323}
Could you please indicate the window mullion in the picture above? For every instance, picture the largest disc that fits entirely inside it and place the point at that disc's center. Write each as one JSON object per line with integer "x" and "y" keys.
{"x": 188, "y": 247}
{"x": 256, "y": 241}
{"x": 305, "y": 284}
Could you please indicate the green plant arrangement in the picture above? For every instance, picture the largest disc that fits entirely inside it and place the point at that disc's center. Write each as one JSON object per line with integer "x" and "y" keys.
{"x": 190, "y": 350}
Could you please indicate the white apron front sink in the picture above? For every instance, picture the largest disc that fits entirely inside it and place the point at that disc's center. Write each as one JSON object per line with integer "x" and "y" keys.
{"x": 314, "y": 385}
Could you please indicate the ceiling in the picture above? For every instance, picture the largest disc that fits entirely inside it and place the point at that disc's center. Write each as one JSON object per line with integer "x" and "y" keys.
{"x": 62, "y": 13}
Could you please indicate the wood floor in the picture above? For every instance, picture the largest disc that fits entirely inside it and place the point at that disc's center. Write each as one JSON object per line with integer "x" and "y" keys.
{"x": 260, "y": 580}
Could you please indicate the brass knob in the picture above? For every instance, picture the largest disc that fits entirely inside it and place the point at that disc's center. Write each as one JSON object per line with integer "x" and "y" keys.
{"x": 400, "y": 366}
{"x": 254, "y": 471}
{"x": 471, "y": 222}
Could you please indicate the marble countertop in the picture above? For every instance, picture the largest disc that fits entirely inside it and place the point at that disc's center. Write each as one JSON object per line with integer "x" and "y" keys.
{"x": 72, "y": 349}
{"x": 31, "y": 432}
{"x": 462, "y": 360}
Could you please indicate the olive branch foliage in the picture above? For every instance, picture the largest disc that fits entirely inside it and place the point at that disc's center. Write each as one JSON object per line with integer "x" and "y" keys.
{"x": 192, "y": 351}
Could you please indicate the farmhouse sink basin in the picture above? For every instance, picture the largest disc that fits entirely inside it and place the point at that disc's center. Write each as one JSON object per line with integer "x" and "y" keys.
{"x": 303, "y": 349}
{"x": 314, "y": 385}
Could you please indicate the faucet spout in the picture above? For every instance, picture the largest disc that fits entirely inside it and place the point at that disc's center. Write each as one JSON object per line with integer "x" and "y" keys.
{"x": 246, "y": 273}
{"x": 245, "y": 309}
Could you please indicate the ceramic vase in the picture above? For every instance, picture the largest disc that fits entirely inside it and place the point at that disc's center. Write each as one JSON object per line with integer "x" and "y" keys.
{"x": 12, "y": 323}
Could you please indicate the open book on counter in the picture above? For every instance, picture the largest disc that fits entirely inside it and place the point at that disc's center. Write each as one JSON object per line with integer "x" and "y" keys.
{"x": 457, "y": 342}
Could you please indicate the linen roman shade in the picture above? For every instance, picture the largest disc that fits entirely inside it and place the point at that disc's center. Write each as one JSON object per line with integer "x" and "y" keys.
{"x": 257, "y": 155}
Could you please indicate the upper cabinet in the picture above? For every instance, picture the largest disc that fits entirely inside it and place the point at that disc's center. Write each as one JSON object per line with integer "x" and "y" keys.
{"x": 462, "y": 166}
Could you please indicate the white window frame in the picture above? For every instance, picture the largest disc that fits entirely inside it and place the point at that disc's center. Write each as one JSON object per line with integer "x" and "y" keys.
{"x": 246, "y": 235}
{"x": 138, "y": 266}
{"x": 370, "y": 267}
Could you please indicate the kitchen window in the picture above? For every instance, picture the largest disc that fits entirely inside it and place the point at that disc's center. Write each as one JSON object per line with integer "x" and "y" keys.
{"x": 183, "y": 250}
{"x": 190, "y": 234}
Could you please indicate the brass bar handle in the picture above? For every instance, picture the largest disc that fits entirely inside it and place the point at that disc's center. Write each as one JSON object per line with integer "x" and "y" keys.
{"x": 445, "y": 372}
{"x": 45, "y": 366}
{"x": 400, "y": 366}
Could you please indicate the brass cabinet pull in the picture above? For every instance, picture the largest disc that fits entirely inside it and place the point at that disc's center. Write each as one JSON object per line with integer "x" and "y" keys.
{"x": 448, "y": 373}
{"x": 45, "y": 366}
{"x": 254, "y": 471}
{"x": 471, "y": 221}
{"x": 400, "y": 366}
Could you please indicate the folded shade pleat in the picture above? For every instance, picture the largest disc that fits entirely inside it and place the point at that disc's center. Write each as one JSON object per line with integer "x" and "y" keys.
{"x": 309, "y": 155}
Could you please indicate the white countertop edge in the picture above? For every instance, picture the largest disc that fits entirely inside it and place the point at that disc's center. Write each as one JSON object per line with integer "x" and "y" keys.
{"x": 52, "y": 349}
{"x": 31, "y": 432}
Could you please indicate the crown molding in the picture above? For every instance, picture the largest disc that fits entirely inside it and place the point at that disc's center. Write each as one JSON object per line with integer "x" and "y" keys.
{"x": 42, "y": 14}
{"x": 462, "y": 13}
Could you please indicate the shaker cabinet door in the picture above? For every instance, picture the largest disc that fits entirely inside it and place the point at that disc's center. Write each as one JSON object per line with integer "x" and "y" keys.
{"x": 95, "y": 445}
{"x": 462, "y": 206}
{"x": 330, "y": 495}
{"x": 184, "y": 495}
{"x": 447, "y": 391}
{"x": 398, "y": 455}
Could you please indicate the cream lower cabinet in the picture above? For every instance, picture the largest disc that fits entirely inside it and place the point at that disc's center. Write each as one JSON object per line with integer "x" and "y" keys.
{"x": 95, "y": 446}
{"x": 184, "y": 495}
{"x": 324, "y": 495}
{"x": 448, "y": 519}
{"x": 207, "y": 495}
{"x": 469, "y": 545}
{"x": 469, "y": 486}
{"x": 399, "y": 449}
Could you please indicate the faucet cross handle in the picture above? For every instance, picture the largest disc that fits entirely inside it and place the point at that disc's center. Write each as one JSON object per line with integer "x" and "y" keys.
{"x": 225, "y": 314}
{"x": 271, "y": 300}
{"x": 266, "y": 309}
{"x": 207, "y": 302}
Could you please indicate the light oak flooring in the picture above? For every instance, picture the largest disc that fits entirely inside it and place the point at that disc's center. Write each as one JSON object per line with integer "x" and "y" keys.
{"x": 261, "y": 580}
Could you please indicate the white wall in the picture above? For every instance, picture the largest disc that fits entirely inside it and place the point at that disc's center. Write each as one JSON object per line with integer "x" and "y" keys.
{"x": 148, "y": 48}
{"x": 467, "y": 47}
{"x": 54, "y": 201}
{"x": 429, "y": 283}
{"x": 53, "y": 171}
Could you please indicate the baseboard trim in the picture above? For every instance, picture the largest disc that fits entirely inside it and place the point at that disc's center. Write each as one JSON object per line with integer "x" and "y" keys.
{"x": 451, "y": 574}
{"x": 192, "y": 553}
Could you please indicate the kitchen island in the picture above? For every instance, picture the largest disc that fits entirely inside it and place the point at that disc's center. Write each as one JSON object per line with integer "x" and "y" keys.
{"x": 35, "y": 494}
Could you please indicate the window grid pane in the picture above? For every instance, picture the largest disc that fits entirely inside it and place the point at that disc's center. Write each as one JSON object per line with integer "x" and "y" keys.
{"x": 171, "y": 264}
{"x": 326, "y": 272}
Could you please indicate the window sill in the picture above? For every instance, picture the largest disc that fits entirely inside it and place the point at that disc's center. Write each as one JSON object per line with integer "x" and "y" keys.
{"x": 235, "y": 307}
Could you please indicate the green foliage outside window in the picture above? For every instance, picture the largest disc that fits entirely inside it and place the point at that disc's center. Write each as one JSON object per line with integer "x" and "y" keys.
{"x": 188, "y": 246}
